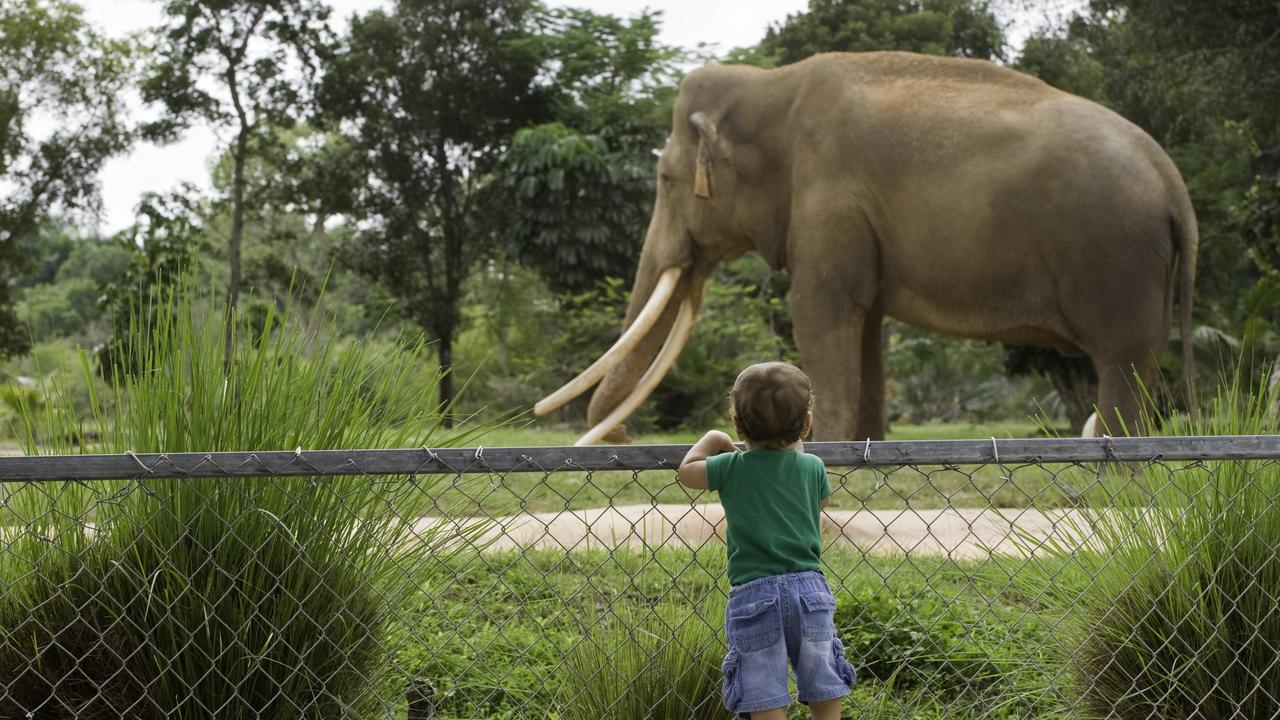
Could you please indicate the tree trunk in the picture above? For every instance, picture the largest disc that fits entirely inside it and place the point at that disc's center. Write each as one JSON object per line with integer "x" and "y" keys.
{"x": 453, "y": 226}
{"x": 233, "y": 247}
{"x": 237, "y": 216}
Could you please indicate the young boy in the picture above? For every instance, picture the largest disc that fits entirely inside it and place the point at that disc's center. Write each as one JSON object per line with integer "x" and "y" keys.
{"x": 780, "y": 607}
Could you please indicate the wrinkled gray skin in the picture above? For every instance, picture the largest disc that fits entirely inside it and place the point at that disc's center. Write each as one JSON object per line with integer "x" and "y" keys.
{"x": 954, "y": 195}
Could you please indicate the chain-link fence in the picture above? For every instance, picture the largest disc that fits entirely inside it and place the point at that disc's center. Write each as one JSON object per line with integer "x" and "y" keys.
{"x": 1128, "y": 577}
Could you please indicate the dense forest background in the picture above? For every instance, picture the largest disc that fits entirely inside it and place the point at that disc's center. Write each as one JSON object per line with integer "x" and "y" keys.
{"x": 480, "y": 172}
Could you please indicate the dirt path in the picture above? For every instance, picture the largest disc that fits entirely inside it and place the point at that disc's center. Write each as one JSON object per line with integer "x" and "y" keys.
{"x": 961, "y": 533}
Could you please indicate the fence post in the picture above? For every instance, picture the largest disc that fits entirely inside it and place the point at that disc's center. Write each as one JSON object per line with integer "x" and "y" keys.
{"x": 421, "y": 696}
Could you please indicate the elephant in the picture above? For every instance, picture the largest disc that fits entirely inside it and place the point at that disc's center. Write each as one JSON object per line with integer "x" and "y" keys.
{"x": 955, "y": 195}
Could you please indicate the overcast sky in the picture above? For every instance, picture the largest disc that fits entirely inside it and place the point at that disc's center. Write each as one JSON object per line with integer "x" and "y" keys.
{"x": 723, "y": 23}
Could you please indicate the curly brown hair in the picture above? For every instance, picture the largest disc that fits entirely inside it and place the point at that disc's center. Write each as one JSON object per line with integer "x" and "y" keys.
{"x": 771, "y": 403}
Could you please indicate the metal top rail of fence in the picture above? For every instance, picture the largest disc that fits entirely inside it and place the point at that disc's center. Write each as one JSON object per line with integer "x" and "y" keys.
{"x": 986, "y": 579}
{"x": 428, "y": 461}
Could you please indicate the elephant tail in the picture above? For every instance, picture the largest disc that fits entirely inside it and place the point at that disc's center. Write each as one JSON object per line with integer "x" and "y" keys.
{"x": 1187, "y": 236}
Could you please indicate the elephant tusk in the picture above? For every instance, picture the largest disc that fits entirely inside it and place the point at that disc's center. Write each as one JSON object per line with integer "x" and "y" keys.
{"x": 661, "y": 364}
{"x": 644, "y": 322}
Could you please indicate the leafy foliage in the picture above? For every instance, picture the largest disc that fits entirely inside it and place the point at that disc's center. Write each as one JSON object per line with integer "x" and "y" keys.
{"x": 61, "y": 298}
{"x": 162, "y": 243}
{"x": 582, "y": 186}
{"x": 1062, "y": 59}
{"x": 936, "y": 379}
{"x": 580, "y": 207}
{"x": 52, "y": 65}
{"x": 907, "y": 633}
{"x": 610, "y": 77}
{"x": 966, "y": 28}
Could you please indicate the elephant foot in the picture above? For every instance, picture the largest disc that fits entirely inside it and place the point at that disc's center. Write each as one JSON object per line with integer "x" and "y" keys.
{"x": 617, "y": 436}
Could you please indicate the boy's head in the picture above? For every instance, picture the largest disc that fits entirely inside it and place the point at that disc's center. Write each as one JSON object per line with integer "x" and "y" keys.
{"x": 771, "y": 404}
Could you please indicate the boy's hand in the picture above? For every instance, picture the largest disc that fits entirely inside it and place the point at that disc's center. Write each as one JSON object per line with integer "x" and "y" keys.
{"x": 693, "y": 469}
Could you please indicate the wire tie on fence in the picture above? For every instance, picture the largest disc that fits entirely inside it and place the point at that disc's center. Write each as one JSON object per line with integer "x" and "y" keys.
{"x": 866, "y": 459}
{"x": 300, "y": 460}
{"x": 995, "y": 452}
{"x": 206, "y": 460}
{"x": 1108, "y": 449}
{"x": 253, "y": 458}
{"x": 139, "y": 461}
{"x": 493, "y": 478}
{"x": 431, "y": 455}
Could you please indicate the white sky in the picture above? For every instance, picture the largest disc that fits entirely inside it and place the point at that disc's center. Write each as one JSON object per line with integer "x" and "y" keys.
{"x": 725, "y": 24}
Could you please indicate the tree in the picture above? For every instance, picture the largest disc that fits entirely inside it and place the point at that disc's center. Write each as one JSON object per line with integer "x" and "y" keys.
{"x": 965, "y": 28}
{"x": 582, "y": 187}
{"x": 299, "y": 178}
{"x": 1063, "y": 60}
{"x": 579, "y": 208}
{"x": 431, "y": 94}
{"x": 60, "y": 296}
{"x": 54, "y": 66}
{"x": 247, "y": 47}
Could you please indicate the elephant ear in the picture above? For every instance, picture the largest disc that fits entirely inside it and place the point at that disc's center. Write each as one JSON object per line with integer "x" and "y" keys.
{"x": 710, "y": 148}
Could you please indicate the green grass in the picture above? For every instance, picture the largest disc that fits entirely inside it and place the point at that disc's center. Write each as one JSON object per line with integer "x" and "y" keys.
{"x": 508, "y": 633}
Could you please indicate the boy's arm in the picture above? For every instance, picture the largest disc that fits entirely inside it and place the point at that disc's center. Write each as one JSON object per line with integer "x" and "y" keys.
{"x": 693, "y": 468}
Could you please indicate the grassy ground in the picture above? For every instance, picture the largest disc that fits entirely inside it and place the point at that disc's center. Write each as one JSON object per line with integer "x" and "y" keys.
{"x": 879, "y": 489}
{"x": 494, "y": 639}
{"x": 543, "y": 434}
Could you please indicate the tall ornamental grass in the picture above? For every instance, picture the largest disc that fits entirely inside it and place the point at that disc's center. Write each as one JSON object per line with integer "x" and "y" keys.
{"x": 1172, "y": 609}
{"x": 662, "y": 663}
{"x": 228, "y": 598}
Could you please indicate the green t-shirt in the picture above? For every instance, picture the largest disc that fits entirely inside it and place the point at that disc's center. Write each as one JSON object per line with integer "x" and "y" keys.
{"x": 771, "y": 501}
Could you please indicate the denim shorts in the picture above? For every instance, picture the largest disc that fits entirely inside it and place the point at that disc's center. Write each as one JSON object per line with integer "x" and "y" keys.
{"x": 777, "y": 620}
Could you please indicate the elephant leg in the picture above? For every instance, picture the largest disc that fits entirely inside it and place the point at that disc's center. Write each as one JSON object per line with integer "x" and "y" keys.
{"x": 871, "y": 410}
{"x": 834, "y": 289}
{"x": 832, "y": 358}
{"x": 1123, "y": 386}
{"x": 829, "y": 331}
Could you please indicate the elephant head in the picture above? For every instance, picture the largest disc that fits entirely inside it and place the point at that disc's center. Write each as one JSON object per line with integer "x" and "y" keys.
{"x": 697, "y": 222}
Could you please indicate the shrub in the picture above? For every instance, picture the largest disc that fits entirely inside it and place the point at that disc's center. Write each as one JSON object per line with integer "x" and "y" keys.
{"x": 1170, "y": 611}
{"x": 200, "y": 597}
{"x": 661, "y": 663}
{"x": 933, "y": 378}
{"x": 925, "y": 640}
